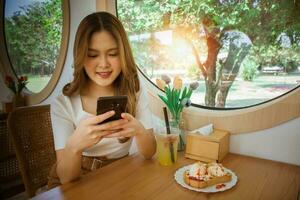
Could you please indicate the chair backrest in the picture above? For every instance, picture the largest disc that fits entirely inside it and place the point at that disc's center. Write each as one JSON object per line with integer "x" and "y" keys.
{"x": 31, "y": 132}
{"x": 10, "y": 176}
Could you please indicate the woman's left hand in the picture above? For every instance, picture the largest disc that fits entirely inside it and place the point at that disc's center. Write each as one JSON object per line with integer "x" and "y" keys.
{"x": 132, "y": 128}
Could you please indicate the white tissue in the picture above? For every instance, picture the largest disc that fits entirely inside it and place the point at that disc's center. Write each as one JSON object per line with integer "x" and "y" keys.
{"x": 204, "y": 130}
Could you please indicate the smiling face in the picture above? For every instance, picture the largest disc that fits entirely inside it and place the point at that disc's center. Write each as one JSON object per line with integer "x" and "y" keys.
{"x": 102, "y": 63}
{"x": 103, "y": 60}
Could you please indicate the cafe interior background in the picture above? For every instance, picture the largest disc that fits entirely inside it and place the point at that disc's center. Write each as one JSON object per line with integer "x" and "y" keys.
{"x": 262, "y": 107}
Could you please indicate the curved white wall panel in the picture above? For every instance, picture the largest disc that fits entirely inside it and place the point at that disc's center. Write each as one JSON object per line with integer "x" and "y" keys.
{"x": 280, "y": 143}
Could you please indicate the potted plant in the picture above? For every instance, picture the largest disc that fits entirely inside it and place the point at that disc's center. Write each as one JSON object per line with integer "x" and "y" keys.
{"x": 176, "y": 98}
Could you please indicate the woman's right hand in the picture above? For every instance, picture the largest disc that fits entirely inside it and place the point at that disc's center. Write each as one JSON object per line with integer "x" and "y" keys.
{"x": 89, "y": 132}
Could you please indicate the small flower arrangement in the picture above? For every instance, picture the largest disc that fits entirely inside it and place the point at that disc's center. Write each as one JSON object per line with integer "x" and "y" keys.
{"x": 177, "y": 96}
{"x": 16, "y": 88}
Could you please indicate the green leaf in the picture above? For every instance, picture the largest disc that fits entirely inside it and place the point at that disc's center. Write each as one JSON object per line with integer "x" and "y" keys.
{"x": 177, "y": 100}
{"x": 165, "y": 100}
{"x": 189, "y": 94}
{"x": 174, "y": 100}
{"x": 183, "y": 94}
{"x": 169, "y": 98}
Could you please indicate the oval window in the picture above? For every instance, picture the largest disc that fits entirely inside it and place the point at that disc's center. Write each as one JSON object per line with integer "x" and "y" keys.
{"x": 33, "y": 34}
{"x": 242, "y": 53}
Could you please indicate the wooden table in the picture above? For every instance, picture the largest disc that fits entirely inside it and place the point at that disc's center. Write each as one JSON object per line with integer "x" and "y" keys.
{"x": 136, "y": 178}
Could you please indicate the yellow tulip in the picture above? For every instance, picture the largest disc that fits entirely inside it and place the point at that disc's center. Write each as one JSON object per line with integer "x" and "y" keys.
{"x": 161, "y": 84}
{"x": 177, "y": 83}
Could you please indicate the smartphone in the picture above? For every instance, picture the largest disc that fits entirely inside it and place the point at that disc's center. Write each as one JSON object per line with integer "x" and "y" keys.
{"x": 116, "y": 103}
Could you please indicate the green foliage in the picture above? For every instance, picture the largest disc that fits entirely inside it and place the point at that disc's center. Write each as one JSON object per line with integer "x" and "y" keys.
{"x": 263, "y": 21}
{"x": 274, "y": 55}
{"x": 174, "y": 100}
{"x": 33, "y": 37}
{"x": 249, "y": 69}
{"x": 289, "y": 58}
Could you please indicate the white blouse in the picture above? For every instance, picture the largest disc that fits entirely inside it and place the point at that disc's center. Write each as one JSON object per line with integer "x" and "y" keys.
{"x": 67, "y": 112}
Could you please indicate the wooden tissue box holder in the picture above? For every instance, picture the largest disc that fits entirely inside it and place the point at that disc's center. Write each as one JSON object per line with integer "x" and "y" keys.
{"x": 211, "y": 148}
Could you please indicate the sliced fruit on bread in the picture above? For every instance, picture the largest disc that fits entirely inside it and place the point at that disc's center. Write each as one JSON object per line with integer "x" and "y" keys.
{"x": 201, "y": 175}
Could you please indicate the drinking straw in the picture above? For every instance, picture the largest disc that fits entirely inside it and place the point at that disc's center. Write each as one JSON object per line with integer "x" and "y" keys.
{"x": 169, "y": 132}
{"x": 167, "y": 120}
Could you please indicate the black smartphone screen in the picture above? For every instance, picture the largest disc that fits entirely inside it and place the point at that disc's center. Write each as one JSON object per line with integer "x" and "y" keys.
{"x": 116, "y": 103}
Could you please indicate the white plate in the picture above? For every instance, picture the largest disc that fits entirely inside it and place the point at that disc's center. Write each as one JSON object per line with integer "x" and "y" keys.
{"x": 179, "y": 177}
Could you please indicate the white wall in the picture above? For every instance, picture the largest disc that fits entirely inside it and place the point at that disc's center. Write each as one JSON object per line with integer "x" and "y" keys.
{"x": 281, "y": 143}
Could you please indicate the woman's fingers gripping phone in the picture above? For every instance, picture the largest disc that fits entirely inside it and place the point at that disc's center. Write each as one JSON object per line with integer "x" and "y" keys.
{"x": 99, "y": 118}
{"x": 111, "y": 127}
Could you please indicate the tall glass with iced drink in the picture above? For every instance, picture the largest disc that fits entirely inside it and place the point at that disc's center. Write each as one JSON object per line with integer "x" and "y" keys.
{"x": 166, "y": 148}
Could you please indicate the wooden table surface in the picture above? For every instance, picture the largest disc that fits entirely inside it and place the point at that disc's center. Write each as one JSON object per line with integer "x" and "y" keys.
{"x": 136, "y": 178}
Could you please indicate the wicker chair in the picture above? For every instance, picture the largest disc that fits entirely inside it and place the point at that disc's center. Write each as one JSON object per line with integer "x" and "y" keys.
{"x": 31, "y": 132}
{"x": 10, "y": 177}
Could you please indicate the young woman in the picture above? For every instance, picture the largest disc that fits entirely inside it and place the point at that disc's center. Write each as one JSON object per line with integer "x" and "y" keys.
{"x": 103, "y": 66}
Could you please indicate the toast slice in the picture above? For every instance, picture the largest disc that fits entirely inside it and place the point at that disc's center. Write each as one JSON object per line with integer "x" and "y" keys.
{"x": 197, "y": 183}
{"x": 202, "y": 175}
